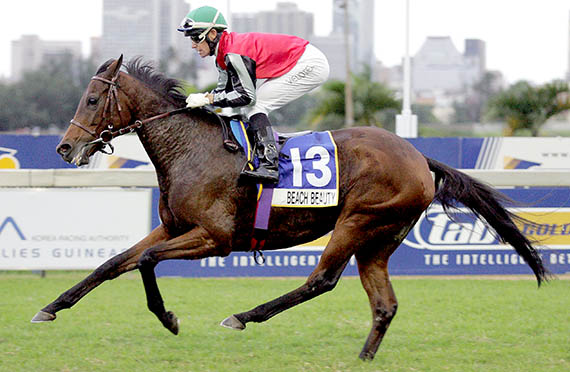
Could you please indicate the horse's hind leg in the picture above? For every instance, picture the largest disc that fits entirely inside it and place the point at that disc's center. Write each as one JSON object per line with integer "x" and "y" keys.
{"x": 373, "y": 269}
{"x": 110, "y": 269}
{"x": 324, "y": 278}
{"x": 376, "y": 282}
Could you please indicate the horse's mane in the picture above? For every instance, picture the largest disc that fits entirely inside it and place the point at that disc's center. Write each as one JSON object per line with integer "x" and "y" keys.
{"x": 144, "y": 71}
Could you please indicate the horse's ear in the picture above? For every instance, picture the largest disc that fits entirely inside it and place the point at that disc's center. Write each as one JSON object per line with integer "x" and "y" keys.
{"x": 116, "y": 66}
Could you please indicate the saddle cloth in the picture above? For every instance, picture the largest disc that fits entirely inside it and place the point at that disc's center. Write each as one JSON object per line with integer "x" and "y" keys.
{"x": 308, "y": 175}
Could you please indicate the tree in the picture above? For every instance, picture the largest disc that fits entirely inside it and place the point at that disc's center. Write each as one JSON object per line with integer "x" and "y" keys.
{"x": 424, "y": 112}
{"x": 471, "y": 109}
{"x": 292, "y": 114}
{"x": 371, "y": 101}
{"x": 525, "y": 107}
{"x": 46, "y": 97}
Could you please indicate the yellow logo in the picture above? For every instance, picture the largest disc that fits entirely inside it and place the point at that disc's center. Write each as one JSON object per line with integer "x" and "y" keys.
{"x": 8, "y": 159}
{"x": 552, "y": 226}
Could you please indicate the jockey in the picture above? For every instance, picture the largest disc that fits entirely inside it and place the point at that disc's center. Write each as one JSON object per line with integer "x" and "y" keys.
{"x": 259, "y": 72}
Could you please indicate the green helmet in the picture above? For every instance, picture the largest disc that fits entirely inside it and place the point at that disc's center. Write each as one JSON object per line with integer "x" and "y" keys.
{"x": 200, "y": 21}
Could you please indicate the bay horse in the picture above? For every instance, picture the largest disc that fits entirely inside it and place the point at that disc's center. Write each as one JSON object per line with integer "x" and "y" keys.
{"x": 385, "y": 185}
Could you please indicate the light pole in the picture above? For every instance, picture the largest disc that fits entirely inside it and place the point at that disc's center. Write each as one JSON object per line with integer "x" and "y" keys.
{"x": 348, "y": 103}
{"x": 407, "y": 123}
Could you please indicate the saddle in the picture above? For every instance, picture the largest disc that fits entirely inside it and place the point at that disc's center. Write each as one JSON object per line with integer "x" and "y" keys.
{"x": 232, "y": 144}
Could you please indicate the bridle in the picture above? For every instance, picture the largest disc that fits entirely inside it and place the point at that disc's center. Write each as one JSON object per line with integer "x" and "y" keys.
{"x": 107, "y": 135}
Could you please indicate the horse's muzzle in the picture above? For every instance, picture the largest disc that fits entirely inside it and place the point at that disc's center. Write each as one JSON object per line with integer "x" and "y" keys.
{"x": 77, "y": 154}
{"x": 65, "y": 150}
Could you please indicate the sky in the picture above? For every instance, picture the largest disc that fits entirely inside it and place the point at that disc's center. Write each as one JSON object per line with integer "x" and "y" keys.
{"x": 525, "y": 39}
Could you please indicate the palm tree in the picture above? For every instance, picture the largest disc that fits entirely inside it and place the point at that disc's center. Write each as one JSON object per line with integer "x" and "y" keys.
{"x": 525, "y": 107}
{"x": 371, "y": 100}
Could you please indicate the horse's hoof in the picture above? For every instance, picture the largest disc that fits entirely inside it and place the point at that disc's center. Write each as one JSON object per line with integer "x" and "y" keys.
{"x": 233, "y": 323}
{"x": 366, "y": 356}
{"x": 172, "y": 323}
{"x": 42, "y": 316}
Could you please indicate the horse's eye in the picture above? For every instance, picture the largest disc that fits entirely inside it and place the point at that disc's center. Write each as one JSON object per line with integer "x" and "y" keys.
{"x": 92, "y": 101}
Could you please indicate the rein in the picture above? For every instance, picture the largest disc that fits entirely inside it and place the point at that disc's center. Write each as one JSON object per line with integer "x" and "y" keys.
{"x": 107, "y": 135}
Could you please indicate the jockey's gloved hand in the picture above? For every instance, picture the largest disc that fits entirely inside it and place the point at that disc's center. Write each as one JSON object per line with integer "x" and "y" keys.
{"x": 197, "y": 100}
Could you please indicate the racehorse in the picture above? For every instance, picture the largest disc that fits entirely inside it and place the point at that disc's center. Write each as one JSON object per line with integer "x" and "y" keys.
{"x": 206, "y": 210}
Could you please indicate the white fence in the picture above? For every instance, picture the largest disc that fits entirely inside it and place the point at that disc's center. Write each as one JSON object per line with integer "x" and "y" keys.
{"x": 147, "y": 178}
{"x": 77, "y": 178}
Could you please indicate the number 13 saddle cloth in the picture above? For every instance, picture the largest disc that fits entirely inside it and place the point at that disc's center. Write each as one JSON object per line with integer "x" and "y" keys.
{"x": 308, "y": 173}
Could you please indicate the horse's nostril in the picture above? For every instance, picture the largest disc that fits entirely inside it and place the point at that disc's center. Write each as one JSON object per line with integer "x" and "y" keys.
{"x": 63, "y": 148}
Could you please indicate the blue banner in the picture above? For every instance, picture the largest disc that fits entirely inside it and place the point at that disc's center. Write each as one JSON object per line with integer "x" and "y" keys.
{"x": 436, "y": 245}
{"x": 27, "y": 152}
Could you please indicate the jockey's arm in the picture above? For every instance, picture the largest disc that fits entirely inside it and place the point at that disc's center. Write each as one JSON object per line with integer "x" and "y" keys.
{"x": 236, "y": 85}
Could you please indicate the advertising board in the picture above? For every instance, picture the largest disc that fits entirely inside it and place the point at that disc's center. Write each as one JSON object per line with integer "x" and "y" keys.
{"x": 436, "y": 245}
{"x": 46, "y": 229}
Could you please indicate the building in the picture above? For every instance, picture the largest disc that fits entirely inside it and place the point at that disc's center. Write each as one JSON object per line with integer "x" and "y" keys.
{"x": 287, "y": 18}
{"x": 243, "y": 22}
{"x": 393, "y": 77}
{"x": 29, "y": 53}
{"x": 443, "y": 77}
{"x": 96, "y": 48}
{"x": 475, "y": 55}
{"x": 144, "y": 28}
{"x": 360, "y": 28}
{"x": 332, "y": 47}
{"x": 439, "y": 66}
{"x": 568, "y": 70}
{"x": 365, "y": 35}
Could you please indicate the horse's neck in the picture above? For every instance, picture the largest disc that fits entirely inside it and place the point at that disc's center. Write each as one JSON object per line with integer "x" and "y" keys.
{"x": 161, "y": 141}
{"x": 177, "y": 141}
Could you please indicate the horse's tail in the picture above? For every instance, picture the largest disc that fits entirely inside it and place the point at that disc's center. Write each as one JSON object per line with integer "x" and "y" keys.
{"x": 486, "y": 203}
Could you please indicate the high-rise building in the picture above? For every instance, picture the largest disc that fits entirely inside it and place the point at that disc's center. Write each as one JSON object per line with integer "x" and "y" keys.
{"x": 144, "y": 28}
{"x": 287, "y": 18}
{"x": 332, "y": 47}
{"x": 29, "y": 53}
{"x": 244, "y": 22}
{"x": 475, "y": 54}
{"x": 96, "y": 52}
{"x": 360, "y": 28}
{"x": 365, "y": 35}
{"x": 568, "y": 71}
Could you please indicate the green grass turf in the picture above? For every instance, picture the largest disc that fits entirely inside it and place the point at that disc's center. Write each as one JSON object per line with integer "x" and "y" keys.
{"x": 441, "y": 325}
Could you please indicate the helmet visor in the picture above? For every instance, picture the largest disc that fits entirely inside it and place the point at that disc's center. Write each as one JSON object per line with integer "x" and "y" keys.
{"x": 186, "y": 25}
{"x": 191, "y": 29}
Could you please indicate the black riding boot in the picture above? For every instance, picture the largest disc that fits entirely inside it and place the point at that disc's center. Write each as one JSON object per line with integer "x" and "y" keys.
{"x": 265, "y": 149}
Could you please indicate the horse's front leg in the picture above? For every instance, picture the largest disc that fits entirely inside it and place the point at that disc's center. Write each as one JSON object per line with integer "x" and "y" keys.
{"x": 195, "y": 244}
{"x": 111, "y": 269}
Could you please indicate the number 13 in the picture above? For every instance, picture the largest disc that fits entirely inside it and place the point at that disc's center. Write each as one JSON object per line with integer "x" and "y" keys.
{"x": 320, "y": 164}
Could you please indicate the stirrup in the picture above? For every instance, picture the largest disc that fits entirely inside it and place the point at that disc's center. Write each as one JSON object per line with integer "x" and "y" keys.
{"x": 262, "y": 174}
